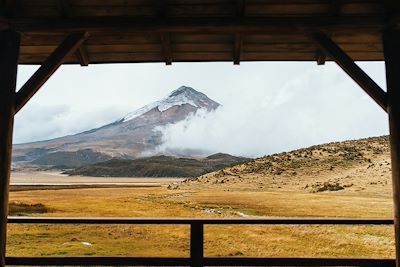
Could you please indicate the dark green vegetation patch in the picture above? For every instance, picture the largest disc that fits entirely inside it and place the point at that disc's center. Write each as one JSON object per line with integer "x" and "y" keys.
{"x": 16, "y": 208}
{"x": 158, "y": 166}
{"x": 67, "y": 159}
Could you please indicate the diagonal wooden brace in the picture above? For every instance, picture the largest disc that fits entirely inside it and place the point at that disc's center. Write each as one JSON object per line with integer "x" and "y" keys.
{"x": 69, "y": 45}
{"x": 355, "y": 72}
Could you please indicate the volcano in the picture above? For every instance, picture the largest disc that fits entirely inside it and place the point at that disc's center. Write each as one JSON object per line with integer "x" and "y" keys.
{"x": 127, "y": 137}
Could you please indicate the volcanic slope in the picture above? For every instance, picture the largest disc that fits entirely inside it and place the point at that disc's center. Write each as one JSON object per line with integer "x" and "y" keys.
{"x": 357, "y": 166}
{"x": 127, "y": 137}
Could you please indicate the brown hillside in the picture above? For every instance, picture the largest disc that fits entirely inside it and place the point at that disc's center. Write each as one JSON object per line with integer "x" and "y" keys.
{"x": 357, "y": 166}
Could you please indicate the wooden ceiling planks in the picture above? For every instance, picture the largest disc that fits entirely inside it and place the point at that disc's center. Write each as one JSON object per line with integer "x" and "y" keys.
{"x": 197, "y": 30}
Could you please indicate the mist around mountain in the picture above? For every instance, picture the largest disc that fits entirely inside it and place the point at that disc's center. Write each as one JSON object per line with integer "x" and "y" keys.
{"x": 131, "y": 136}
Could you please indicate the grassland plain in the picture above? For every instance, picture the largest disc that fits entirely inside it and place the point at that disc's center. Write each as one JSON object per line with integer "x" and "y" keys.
{"x": 349, "y": 179}
{"x": 301, "y": 241}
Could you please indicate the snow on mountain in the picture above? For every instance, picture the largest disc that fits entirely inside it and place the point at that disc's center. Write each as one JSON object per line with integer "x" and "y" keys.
{"x": 181, "y": 96}
{"x": 129, "y": 137}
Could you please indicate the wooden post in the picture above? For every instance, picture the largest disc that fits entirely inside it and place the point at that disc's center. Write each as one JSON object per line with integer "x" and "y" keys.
{"x": 237, "y": 50}
{"x": 238, "y": 38}
{"x": 391, "y": 45}
{"x": 167, "y": 48}
{"x": 9, "y": 51}
{"x": 197, "y": 244}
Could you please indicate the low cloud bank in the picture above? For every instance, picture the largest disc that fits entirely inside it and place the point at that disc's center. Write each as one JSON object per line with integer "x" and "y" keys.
{"x": 43, "y": 122}
{"x": 303, "y": 112}
{"x": 267, "y": 107}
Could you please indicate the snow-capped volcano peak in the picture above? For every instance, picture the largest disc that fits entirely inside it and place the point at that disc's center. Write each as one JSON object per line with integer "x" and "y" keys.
{"x": 140, "y": 131}
{"x": 183, "y": 90}
{"x": 184, "y": 95}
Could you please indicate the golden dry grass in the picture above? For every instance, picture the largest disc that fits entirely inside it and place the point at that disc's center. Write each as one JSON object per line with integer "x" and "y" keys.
{"x": 279, "y": 185}
{"x": 300, "y": 241}
{"x": 241, "y": 240}
{"x": 360, "y": 167}
{"x": 98, "y": 240}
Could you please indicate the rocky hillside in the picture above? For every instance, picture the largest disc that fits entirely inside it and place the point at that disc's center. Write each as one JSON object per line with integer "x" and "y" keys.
{"x": 350, "y": 166}
{"x": 158, "y": 166}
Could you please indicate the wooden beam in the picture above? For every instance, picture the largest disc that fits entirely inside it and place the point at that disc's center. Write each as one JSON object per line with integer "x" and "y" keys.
{"x": 336, "y": 7}
{"x": 3, "y": 23}
{"x": 320, "y": 57}
{"x": 162, "y": 12}
{"x": 351, "y": 68}
{"x": 208, "y": 261}
{"x": 204, "y": 221}
{"x": 237, "y": 49}
{"x": 238, "y": 39}
{"x": 167, "y": 48}
{"x": 240, "y": 8}
{"x": 65, "y": 8}
{"x": 246, "y": 25}
{"x": 10, "y": 8}
{"x": 9, "y": 51}
{"x": 391, "y": 45}
{"x": 82, "y": 55}
{"x": 161, "y": 8}
{"x": 392, "y": 6}
{"x": 49, "y": 66}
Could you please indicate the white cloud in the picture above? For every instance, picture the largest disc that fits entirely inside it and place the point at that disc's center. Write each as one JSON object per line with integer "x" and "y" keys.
{"x": 37, "y": 122}
{"x": 267, "y": 107}
{"x": 314, "y": 107}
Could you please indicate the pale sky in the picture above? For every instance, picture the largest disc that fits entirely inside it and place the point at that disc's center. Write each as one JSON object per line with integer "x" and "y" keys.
{"x": 267, "y": 107}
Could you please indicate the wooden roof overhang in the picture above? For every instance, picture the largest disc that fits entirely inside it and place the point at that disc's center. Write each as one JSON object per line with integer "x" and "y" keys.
{"x": 55, "y": 32}
{"x": 168, "y": 31}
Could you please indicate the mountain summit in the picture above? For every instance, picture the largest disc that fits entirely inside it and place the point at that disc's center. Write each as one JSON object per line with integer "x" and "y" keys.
{"x": 182, "y": 96}
{"x": 127, "y": 137}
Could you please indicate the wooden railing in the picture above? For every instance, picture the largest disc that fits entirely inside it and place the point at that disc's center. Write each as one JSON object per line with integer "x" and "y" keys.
{"x": 196, "y": 244}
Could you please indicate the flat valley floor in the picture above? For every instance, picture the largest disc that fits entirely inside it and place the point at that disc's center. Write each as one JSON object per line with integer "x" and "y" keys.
{"x": 195, "y": 199}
